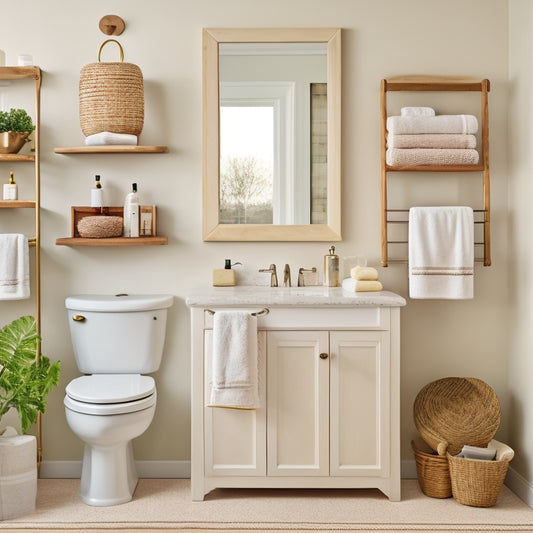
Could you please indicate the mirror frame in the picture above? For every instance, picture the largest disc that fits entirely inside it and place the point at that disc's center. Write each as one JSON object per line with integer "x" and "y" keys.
{"x": 212, "y": 229}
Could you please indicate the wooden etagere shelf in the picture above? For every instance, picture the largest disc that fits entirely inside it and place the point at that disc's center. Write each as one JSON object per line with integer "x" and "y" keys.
{"x": 16, "y": 204}
{"x": 442, "y": 84}
{"x": 112, "y": 149}
{"x": 114, "y": 241}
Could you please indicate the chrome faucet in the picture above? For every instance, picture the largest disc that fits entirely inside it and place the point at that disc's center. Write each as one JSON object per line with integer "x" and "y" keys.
{"x": 287, "y": 276}
{"x": 273, "y": 275}
{"x": 301, "y": 270}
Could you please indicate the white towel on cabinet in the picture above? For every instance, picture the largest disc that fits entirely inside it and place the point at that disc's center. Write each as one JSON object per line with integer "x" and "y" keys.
{"x": 14, "y": 267}
{"x": 234, "y": 379}
{"x": 441, "y": 252}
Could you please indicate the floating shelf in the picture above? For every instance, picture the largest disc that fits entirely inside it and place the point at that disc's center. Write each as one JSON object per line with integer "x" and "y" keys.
{"x": 5, "y": 204}
{"x": 112, "y": 149}
{"x": 16, "y": 158}
{"x": 114, "y": 241}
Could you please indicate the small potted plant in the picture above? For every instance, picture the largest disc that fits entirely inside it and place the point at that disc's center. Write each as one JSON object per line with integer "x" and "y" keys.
{"x": 15, "y": 128}
{"x": 25, "y": 382}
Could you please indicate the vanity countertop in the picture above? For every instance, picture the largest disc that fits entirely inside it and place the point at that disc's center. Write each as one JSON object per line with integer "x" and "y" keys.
{"x": 291, "y": 297}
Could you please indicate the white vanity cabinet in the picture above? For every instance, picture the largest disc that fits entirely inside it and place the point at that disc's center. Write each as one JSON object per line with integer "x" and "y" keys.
{"x": 329, "y": 389}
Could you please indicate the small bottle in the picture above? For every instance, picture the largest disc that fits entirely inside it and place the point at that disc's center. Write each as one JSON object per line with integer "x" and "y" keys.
{"x": 331, "y": 268}
{"x": 225, "y": 277}
{"x": 131, "y": 206}
{"x": 11, "y": 188}
{"x": 97, "y": 194}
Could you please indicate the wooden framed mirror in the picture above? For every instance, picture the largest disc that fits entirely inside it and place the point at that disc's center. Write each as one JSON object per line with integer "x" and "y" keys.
{"x": 271, "y": 134}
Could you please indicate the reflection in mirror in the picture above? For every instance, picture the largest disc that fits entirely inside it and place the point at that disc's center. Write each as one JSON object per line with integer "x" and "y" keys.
{"x": 273, "y": 133}
{"x": 273, "y": 170}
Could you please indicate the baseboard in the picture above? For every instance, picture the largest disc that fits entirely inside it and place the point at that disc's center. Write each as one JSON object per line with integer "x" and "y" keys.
{"x": 520, "y": 486}
{"x": 145, "y": 469}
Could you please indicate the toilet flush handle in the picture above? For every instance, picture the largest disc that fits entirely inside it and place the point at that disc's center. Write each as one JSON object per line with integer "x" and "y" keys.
{"x": 78, "y": 318}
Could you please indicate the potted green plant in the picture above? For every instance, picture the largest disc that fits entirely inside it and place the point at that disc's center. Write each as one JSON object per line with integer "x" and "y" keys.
{"x": 25, "y": 381}
{"x": 15, "y": 128}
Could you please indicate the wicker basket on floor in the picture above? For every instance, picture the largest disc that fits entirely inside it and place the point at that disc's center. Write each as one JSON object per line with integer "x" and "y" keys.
{"x": 432, "y": 471}
{"x": 455, "y": 411}
{"x": 476, "y": 482}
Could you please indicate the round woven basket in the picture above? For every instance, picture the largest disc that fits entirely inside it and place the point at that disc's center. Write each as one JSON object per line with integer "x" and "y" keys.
{"x": 452, "y": 412}
{"x": 476, "y": 482}
{"x": 432, "y": 471}
{"x": 111, "y": 96}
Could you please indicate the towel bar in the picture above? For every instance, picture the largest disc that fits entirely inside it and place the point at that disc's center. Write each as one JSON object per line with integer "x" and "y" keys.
{"x": 263, "y": 312}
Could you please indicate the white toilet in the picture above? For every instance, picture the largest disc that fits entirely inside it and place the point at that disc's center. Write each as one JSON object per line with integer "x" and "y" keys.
{"x": 116, "y": 339}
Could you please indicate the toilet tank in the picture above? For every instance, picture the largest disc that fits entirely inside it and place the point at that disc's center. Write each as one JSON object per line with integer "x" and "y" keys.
{"x": 120, "y": 334}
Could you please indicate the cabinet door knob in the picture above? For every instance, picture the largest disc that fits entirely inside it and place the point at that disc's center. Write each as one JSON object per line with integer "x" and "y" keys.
{"x": 323, "y": 355}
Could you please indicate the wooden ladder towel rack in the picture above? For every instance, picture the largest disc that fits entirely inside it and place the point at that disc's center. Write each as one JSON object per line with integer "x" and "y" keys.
{"x": 435, "y": 83}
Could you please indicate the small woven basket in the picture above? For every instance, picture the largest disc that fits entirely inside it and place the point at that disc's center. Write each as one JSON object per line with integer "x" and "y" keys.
{"x": 452, "y": 412}
{"x": 100, "y": 227}
{"x": 476, "y": 482}
{"x": 111, "y": 96}
{"x": 432, "y": 470}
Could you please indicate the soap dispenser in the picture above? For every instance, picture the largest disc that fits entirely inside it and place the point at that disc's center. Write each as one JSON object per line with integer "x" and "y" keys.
{"x": 11, "y": 188}
{"x": 131, "y": 213}
{"x": 97, "y": 194}
{"x": 331, "y": 268}
{"x": 225, "y": 277}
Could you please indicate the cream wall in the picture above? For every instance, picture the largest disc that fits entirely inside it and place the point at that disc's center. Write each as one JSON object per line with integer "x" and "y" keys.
{"x": 380, "y": 38}
{"x": 520, "y": 222}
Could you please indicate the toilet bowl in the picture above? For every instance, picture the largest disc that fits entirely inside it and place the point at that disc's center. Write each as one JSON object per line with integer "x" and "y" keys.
{"x": 114, "y": 403}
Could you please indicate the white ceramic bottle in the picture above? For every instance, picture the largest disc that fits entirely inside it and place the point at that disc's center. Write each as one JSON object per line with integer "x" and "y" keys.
{"x": 131, "y": 213}
{"x": 97, "y": 194}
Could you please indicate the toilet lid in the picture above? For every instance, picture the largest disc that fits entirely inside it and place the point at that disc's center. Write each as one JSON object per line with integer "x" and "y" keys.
{"x": 110, "y": 388}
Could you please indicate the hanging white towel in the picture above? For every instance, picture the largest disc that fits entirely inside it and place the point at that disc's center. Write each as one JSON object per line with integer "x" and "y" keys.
{"x": 14, "y": 267}
{"x": 441, "y": 252}
{"x": 234, "y": 380}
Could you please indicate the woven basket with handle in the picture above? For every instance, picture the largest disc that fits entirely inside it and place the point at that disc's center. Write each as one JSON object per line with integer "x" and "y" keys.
{"x": 111, "y": 96}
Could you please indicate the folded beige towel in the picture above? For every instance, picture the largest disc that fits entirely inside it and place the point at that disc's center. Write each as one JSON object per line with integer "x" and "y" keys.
{"x": 431, "y": 140}
{"x": 437, "y": 124}
{"x": 412, "y": 157}
{"x": 364, "y": 273}
{"x": 368, "y": 286}
{"x": 417, "y": 112}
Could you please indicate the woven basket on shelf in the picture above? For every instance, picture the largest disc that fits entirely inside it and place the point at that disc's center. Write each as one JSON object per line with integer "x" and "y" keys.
{"x": 452, "y": 412}
{"x": 111, "y": 96}
{"x": 476, "y": 482}
{"x": 432, "y": 470}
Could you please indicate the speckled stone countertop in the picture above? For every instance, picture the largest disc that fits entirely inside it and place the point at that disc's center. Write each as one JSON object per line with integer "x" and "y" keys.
{"x": 291, "y": 297}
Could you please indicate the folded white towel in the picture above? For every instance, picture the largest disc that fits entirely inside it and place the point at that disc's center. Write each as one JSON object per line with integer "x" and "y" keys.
{"x": 14, "y": 267}
{"x": 412, "y": 157}
{"x": 417, "y": 112}
{"x": 107, "y": 137}
{"x": 234, "y": 379}
{"x": 441, "y": 252}
{"x": 431, "y": 140}
{"x": 438, "y": 124}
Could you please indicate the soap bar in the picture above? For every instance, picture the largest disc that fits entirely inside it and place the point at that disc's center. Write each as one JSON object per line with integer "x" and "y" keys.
{"x": 364, "y": 273}
{"x": 224, "y": 277}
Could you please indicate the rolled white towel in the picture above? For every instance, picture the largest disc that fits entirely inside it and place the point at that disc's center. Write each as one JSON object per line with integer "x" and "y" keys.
{"x": 412, "y": 157}
{"x": 431, "y": 140}
{"x": 355, "y": 285}
{"x": 107, "y": 137}
{"x": 438, "y": 124}
{"x": 417, "y": 112}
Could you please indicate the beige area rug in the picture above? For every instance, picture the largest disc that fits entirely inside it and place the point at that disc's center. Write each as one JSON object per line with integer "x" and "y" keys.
{"x": 166, "y": 504}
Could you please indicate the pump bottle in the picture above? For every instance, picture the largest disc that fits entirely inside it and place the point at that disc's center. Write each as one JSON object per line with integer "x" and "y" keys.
{"x": 132, "y": 213}
{"x": 11, "y": 188}
{"x": 97, "y": 194}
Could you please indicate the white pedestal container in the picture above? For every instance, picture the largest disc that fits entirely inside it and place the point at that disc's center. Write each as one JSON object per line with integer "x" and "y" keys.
{"x": 18, "y": 476}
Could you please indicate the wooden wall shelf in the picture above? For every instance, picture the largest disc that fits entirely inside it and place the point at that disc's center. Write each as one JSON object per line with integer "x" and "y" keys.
{"x": 112, "y": 149}
{"x": 114, "y": 241}
{"x": 17, "y": 158}
{"x": 14, "y": 204}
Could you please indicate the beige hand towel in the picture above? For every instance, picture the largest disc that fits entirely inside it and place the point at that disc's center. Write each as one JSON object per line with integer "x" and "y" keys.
{"x": 412, "y": 157}
{"x": 431, "y": 140}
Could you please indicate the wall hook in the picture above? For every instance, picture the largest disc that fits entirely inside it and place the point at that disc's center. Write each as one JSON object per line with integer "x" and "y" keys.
{"x": 111, "y": 25}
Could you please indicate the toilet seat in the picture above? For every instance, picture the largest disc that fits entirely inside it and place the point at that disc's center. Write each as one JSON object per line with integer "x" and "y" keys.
{"x": 109, "y": 394}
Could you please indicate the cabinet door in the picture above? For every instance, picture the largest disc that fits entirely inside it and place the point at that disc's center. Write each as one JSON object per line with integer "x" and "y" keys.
{"x": 235, "y": 439}
{"x": 359, "y": 403}
{"x": 297, "y": 406}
